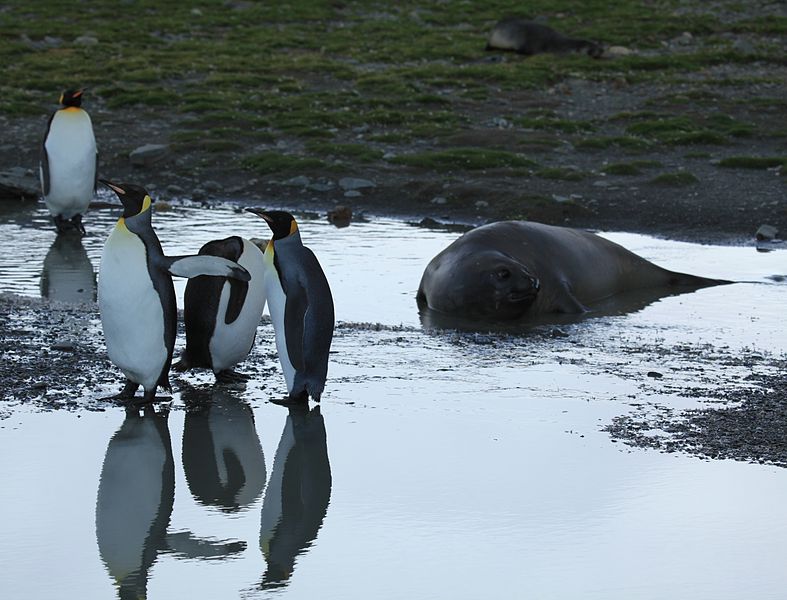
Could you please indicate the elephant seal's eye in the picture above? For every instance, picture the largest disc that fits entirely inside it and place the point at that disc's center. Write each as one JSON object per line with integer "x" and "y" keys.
{"x": 503, "y": 274}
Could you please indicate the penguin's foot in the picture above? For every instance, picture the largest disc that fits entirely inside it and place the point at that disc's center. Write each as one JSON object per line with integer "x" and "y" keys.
{"x": 230, "y": 376}
{"x": 76, "y": 223}
{"x": 181, "y": 366}
{"x": 126, "y": 394}
{"x": 293, "y": 399}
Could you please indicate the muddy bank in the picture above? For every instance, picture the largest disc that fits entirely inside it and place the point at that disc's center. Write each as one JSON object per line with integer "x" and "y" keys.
{"x": 54, "y": 358}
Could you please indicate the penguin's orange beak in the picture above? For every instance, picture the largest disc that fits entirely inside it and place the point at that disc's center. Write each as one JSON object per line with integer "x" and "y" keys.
{"x": 117, "y": 189}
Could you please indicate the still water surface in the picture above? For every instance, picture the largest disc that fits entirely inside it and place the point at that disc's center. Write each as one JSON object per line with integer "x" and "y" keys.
{"x": 437, "y": 466}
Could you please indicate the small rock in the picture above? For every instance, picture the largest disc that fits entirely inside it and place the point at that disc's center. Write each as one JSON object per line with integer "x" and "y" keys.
{"x": 685, "y": 38}
{"x": 501, "y": 123}
{"x": 175, "y": 190}
{"x": 340, "y": 216}
{"x": 64, "y": 345}
{"x": 320, "y": 187}
{"x": 352, "y": 194}
{"x": 439, "y": 200}
{"x": 766, "y": 233}
{"x": 148, "y": 155}
{"x": 655, "y": 374}
{"x": 389, "y": 155}
{"x": 211, "y": 186}
{"x": 299, "y": 181}
{"x": 198, "y": 194}
{"x": 355, "y": 183}
{"x": 556, "y": 332}
{"x": 162, "y": 206}
{"x": 86, "y": 40}
{"x": 618, "y": 51}
{"x": 481, "y": 204}
{"x": 18, "y": 183}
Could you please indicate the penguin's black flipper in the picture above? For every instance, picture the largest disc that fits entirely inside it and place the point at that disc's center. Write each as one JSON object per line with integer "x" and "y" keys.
{"x": 195, "y": 265}
{"x": 294, "y": 312}
{"x": 45, "y": 178}
{"x": 238, "y": 291}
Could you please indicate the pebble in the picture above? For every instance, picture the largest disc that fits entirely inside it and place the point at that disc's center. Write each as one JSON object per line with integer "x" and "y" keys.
{"x": 148, "y": 155}
{"x": 766, "y": 232}
{"x": 439, "y": 200}
{"x": 352, "y": 194}
{"x": 299, "y": 181}
{"x": 355, "y": 183}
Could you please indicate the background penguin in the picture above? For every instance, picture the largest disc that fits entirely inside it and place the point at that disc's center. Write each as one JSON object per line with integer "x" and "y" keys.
{"x": 300, "y": 305}
{"x": 221, "y": 315}
{"x": 528, "y": 37}
{"x": 136, "y": 297}
{"x": 69, "y": 163}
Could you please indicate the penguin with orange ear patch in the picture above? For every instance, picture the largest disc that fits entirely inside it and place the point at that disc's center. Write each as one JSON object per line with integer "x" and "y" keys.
{"x": 300, "y": 305}
{"x": 69, "y": 163}
{"x": 136, "y": 297}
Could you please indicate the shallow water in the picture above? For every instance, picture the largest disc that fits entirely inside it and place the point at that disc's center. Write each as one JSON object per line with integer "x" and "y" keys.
{"x": 442, "y": 466}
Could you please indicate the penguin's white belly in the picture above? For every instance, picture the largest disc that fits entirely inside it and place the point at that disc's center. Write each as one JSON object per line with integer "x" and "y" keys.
{"x": 231, "y": 342}
{"x": 131, "y": 311}
{"x": 71, "y": 150}
{"x": 277, "y": 301}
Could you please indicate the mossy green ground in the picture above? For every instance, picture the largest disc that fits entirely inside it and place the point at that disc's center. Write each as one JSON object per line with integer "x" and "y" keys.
{"x": 312, "y": 87}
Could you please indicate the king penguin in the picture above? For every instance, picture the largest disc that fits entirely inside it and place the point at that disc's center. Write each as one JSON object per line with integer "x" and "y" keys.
{"x": 69, "y": 163}
{"x": 221, "y": 314}
{"x": 300, "y": 305}
{"x": 136, "y": 297}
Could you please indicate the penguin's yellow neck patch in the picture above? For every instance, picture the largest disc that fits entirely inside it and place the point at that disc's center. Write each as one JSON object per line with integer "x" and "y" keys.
{"x": 145, "y": 204}
{"x": 293, "y": 227}
{"x": 71, "y": 109}
{"x": 121, "y": 224}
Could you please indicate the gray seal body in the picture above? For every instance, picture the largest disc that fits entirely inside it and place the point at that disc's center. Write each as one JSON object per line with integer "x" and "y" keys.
{"x": 523, "y": 270}
{"x": 528, "y": 37}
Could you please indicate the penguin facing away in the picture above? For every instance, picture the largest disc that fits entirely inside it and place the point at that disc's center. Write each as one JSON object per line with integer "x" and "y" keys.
{"x": 301, "y": 307}
{"x": 222, "y": 314}
{"x": 69, "y": 163}
{"x": 136, "y": 297}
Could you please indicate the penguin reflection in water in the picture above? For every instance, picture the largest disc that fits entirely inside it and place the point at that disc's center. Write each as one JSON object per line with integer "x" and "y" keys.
{"x": 135, "y": 498}
{"x": 297, "y": 496}
{"x": 136, "y": 297}
{"x": 69, "y": 163}
{"x": 221, "y": 314}
{"x": 300, "y": 305}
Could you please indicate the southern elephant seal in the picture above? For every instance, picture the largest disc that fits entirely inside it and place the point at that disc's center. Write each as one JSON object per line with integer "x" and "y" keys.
{"x": 528, "y": 38}
{"x": 518, "y": 270}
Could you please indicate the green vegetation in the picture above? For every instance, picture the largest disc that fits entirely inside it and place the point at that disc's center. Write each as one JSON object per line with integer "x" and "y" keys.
{"x": 754, "y": 162}
{"x": 562, "y": 173}
{"x": 337, "y": 81}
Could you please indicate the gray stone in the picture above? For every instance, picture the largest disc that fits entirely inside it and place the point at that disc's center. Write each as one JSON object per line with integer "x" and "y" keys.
{"x": 175, "y": 190}
{"x": 18, "y": 183}
{"x": 86, "y": 40}
{"x": 481, "y": 204}
{"x": 64, "y": 346}
{"x": 299, "y": 181}
{"x": 439, "y": 200}
{"x": 320, "y": 187}
{"x": 354, "y": 183}
{"x": 211, "y": 186}
{"x": 148, "y": 155}
{"x": 767, "y": 232}
{"x": 618, "y": 51}
{"x": 352, "y": 194}
{"x": 389, "y": 155}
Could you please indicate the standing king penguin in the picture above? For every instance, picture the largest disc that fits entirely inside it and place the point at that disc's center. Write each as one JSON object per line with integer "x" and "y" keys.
{"x": 69, "y": 163}
{"x": 221, "y": 314}
{"x": 136, "y": 297}
{"x": 300, "y": 305}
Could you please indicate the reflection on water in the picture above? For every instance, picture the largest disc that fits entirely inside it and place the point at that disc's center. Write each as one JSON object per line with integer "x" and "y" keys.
{"x": 67, "y": 273}
{"x": 297, "y": 496}
{"x": 222, "y": 455}
{"x": 135, "y": 497}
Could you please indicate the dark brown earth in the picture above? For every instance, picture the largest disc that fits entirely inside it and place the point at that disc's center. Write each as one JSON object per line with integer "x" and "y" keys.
{"x": 724, "y": 205}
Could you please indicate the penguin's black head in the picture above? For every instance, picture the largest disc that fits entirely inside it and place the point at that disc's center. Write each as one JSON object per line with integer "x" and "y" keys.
{"x": 71, "y": 98}
{"x": 281, "y": 222}
{"x": 135, "y": 198}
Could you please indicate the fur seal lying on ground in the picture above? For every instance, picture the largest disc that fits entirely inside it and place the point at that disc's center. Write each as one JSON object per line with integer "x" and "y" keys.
{"x": 519, "y": 270}
{"x": 527, "y": 37}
